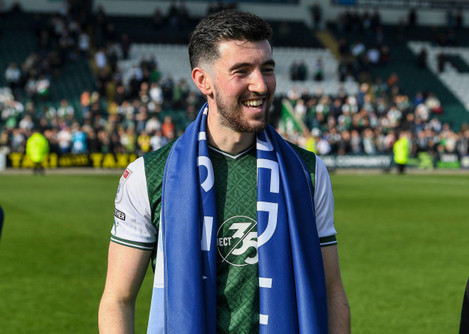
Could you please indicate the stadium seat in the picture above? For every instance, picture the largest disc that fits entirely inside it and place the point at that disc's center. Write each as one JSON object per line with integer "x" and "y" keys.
{"x": 455, "y": 75}
{"x": 173, "y": 61}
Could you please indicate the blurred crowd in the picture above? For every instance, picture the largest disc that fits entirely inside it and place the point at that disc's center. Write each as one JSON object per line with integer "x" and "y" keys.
{"x": 150, "y": 109}
{"x": 365, "y": 123}
{"x": 135, "y": 116}
{"x": 60, "y": 38}
{"x": 370, "y": 122}
{"x": 137, "y": 127}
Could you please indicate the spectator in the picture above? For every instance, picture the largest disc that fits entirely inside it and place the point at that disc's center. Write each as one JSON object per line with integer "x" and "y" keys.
{"x": 412, "y": 18}
{"x": 158, "y": 19}
{"x": 300, "y": 108}
{"x": 13, "y": 76}
{"x": 401, "y": 150}
{"x": 93, "y": 144}
{"x": 79, "y": 140}
{"x": 157, "y": 140}
{"x": 302, "y": 71}
{"x": 84, "y": 44}
{"x": 156, "y": 93}
{"x": 128, "y": 140}
{"x": 355, "y": 142}
{"x": 168, "y": 128}
{"x": 26, "y": 124}
{"x": 144, "y": 143}
{"x": 294, "y": 71}
{"x": 153, "y": 124}
{"x": 323, "y": 147}
{"x": 316, "y": 15}
{"x": 100, "y": 58}
{"x": 369, "y": 145}
{"x": 293, "y": 94}
{"x": 433, "y": 104}
{"x": 125, "y": 45}
{"x": 18, "y": 141}
{"x": 37, "y": 149}
{"x": 65, "y": 110}
{"x": 65, "y": 139}
{"x": 374, "y": 55}
{"x": 441, "y": 62}
{"x": 318, "y": 70}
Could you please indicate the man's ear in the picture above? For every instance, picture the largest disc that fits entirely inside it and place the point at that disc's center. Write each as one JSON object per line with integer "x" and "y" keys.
{"x": 202, "y": 80}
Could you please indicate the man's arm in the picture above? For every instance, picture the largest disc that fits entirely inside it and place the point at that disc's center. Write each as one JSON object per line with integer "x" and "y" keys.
{"x": 337, "y": 303}
{"x": 125, "y": 273}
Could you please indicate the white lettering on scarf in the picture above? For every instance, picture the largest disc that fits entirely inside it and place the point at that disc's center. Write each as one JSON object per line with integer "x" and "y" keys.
{"x": 207, "y": 184}
{"x": 272, "y": 210}
{"x": 207, "y": 233}
{"x": 274, "y": 179}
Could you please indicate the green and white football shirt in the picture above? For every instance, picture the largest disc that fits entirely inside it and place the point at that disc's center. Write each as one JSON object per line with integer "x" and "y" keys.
{"x": 138, "y": 204}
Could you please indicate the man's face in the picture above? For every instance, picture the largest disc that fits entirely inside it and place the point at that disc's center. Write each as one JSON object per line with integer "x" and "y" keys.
{"x": 244, "y": 84}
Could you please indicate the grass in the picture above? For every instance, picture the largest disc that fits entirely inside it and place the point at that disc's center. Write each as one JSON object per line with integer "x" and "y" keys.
{"x": 403, "y": 243}
{"x": 53, "y": 252}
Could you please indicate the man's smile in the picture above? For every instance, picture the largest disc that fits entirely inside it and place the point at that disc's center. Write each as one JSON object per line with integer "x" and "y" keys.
{"x": 253, "y": 103}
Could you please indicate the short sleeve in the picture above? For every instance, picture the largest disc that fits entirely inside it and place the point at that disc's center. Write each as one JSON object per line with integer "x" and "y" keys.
{"x": 324, "y": 205}
{"x": 132, "y": 215}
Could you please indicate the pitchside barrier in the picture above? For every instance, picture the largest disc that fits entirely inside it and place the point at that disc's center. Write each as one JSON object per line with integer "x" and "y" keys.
{"x": 54, "y": 160}
{"x": 121, "y": 160}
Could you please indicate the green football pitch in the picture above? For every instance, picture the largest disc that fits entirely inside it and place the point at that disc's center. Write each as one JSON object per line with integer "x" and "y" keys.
{"x": 403, "y": 244}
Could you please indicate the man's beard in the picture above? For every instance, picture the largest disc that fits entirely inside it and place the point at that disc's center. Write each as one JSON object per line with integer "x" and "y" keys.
{"x": 232, "y": 117}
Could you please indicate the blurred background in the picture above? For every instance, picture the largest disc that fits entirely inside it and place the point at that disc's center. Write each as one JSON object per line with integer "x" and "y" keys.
{"x": 107, "y": 81}
{"x": 377, "y": 88}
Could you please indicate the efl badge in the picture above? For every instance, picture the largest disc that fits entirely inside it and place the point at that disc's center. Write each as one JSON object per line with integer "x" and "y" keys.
{"x": 120, "y": 188}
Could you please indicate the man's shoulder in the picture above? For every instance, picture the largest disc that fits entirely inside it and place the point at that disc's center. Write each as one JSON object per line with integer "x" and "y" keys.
{"x": 154, "y": 165}
{"x": 155, "y": 162}
{"x": 158, "y": 157}
{"x": 308, "y": 157}
{"x": 300, "y": 149}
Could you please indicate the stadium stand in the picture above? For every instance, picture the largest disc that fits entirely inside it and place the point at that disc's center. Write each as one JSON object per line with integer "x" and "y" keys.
{"x": 405, "y": 43}
{"x": 17, "y": 42}
{"x": 359, "y": 88}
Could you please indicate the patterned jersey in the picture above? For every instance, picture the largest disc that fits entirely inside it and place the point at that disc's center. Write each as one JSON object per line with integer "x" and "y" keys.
{"x": 237, "y": 274}
{"x": 138, "y": 204}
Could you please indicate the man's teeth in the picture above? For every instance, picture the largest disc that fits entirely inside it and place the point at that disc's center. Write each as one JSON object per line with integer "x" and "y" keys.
{"x": 253, "y": 103}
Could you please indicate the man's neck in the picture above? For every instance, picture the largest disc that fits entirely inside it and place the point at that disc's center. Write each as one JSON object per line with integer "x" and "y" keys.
{"x": 227, "y": 139}
{"x": 230, "y": 141}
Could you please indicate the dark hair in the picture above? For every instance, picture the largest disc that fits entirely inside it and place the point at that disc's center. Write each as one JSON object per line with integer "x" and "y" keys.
{"x": 226, "y": 25}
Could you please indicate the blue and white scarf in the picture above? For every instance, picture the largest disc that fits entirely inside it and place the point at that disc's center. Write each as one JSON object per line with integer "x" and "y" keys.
{"x": 291, "y": 277}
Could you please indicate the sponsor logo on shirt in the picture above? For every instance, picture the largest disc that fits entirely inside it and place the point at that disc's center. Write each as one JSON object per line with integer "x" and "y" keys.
{"x": 119, "y": 214}
{"x": 237, "y": 241}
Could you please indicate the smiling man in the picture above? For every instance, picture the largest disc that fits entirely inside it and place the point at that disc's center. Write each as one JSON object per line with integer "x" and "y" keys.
{"x": 240, "y": 86}
{"x": 237, "y": 223}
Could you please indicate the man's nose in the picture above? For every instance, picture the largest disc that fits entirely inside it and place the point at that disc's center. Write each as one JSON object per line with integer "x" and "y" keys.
{"x": 257, "y": 83}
